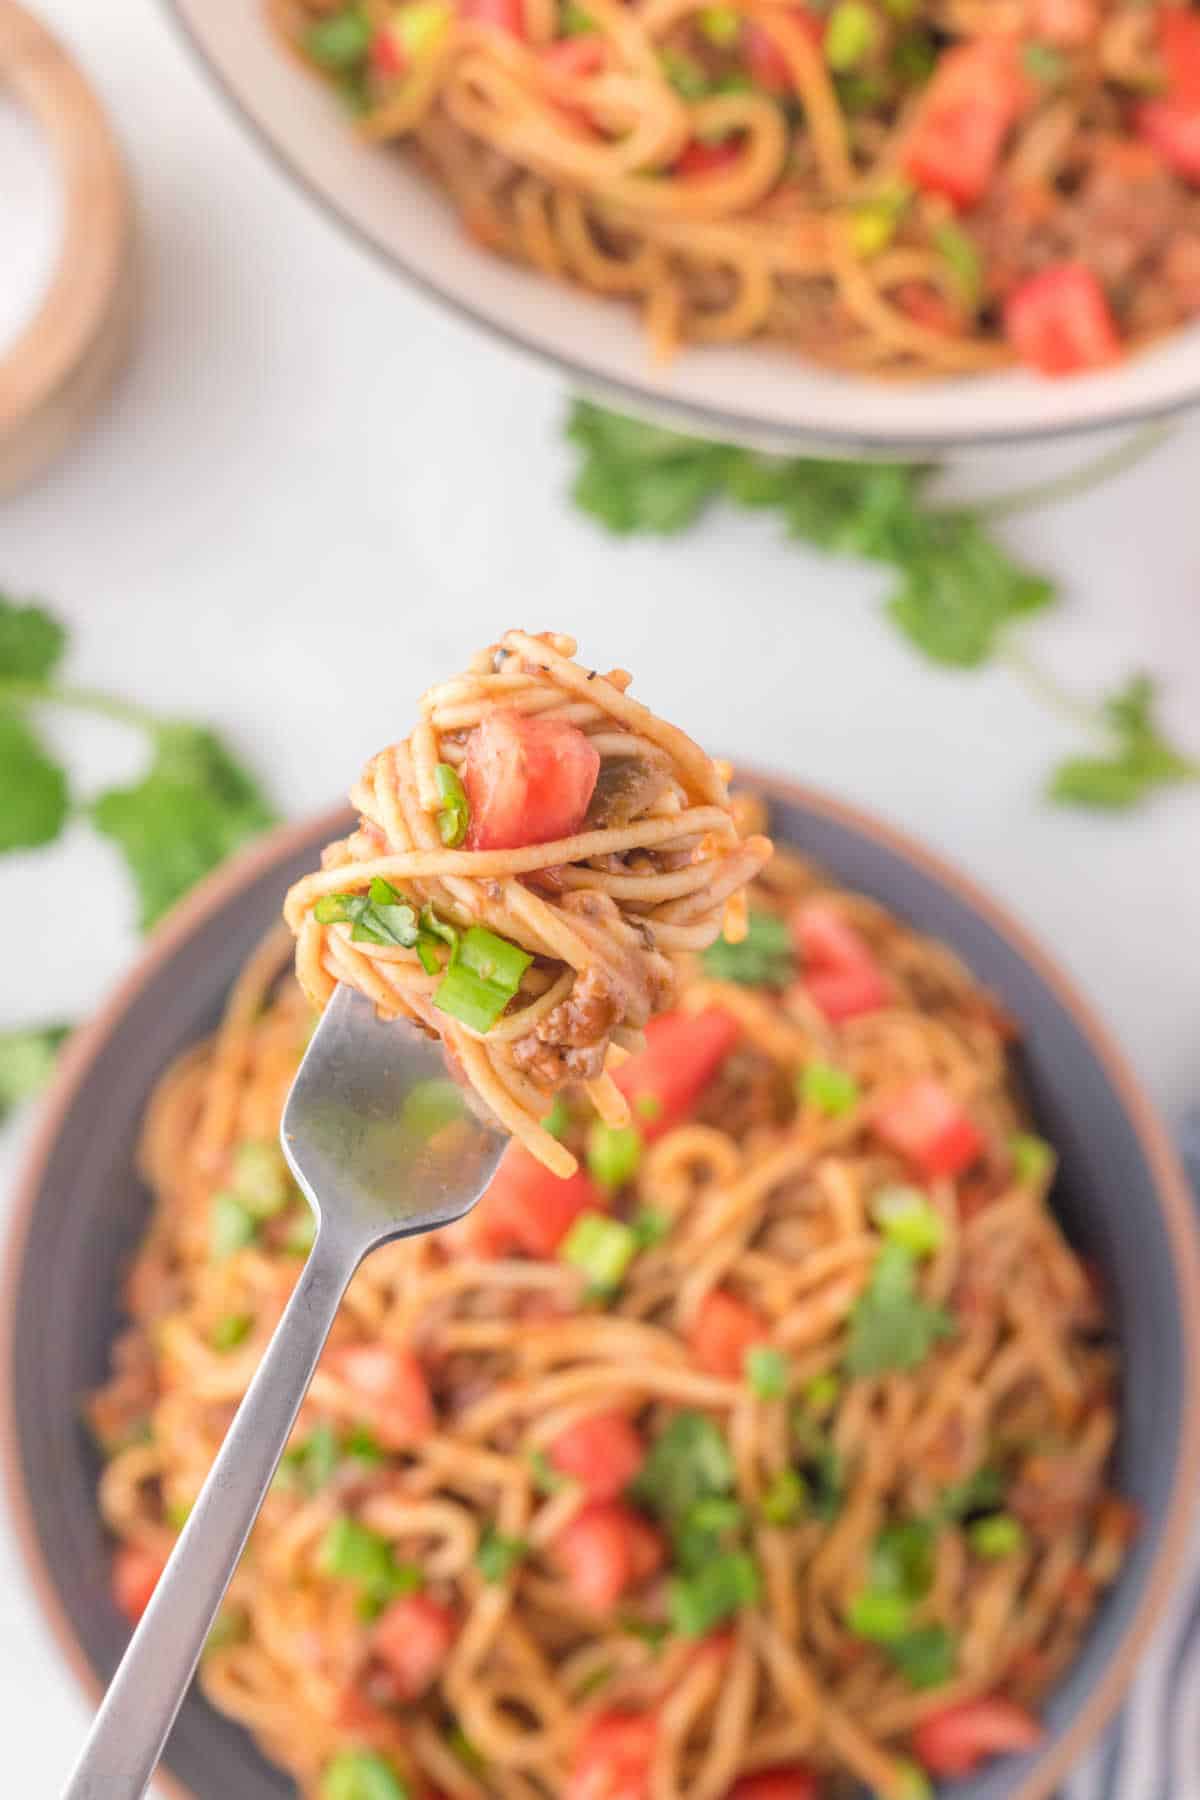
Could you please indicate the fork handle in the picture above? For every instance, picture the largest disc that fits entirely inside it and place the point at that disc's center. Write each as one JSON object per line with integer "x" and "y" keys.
{"x": 136, "y": 1714}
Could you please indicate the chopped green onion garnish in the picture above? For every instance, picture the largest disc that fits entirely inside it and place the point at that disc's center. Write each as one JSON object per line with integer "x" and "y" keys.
{"x": 546, "y": 1478}
{"x": 909, "y": 1218}
{"x": 260, "y": 1178}
{"x": 365, "y": 1448}
{"x": 902, "y": 1559}
{"x": 820, "y": 1394}
{"x": 177, "y": 1513}
{"x": 339, "y": 41}
{"x": 230, "y": 1331}
{"x": 786, "y": 1499}
{"x": 982, "y": 1490}
{"x": 688, "y": 1461}
{"x": 850, "y": 35}
{"x": 831, "y": 1090}
{"x": 498, "y": 1555}
{"x": 613, "y": 1154}
{"x": 650, "y": 1227}
{"x": 420, "y": 27}
{"x": 996, "y": 1536}
{"x": 460, "y": 1745}
{"x": 301, "y": 1232}
{"x": 485, "y": 972}
{"x": 576, "y": 21}
{"x": 380, "y": 916}
{"x": 878, "y": 1615}
{"x": 872, "y": 228}
{"x": 230, "y": 1226}
{"x": 961, "y": 255}
{"x": 915, "y": 1783}
{"x": 767, "y": 1372}
{"x": 707, "y": 1531}
{"x": 765, "y": 957}
{"x": 230, "y": 1626}
{"x": 925, "y": 1656}
{"x": 702, "y": 1600}
{"x": 558, "y": 1120}
{"x": 1044, "y": 63}
{"x": 602, "y": 1247}
{"x": 1032, "y": 1157}
{"x": 721, "y": 25}
{"x": 648, "y": 1107}
{"x": 361, "y": 1775}
{"x": 354, "y": 1553}
{"x": 307, "y": 1466}
{"x": 684, "y": 74}
{"x": 891, "y": 1325}
{"x": 455, "y": 815}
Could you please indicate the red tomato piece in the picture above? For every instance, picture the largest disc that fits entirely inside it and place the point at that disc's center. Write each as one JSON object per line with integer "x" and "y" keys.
{"x": 794, "y": 1782}
{"x": 392, "y": 1386}
{"x": 841, "y": 975}
{"x": 604, "y": 1452}
{"x": 700, "y": 158}
{"x": 606, "y": 1549}
{"x": 663, "y": 1082}
{"x": 505, "y": 15}
{"x": 924, "y": 1123}
{"x": 527, "y": 1208}
{"x": 928, "y": 306}
{"x": 576, "y": 58}
{"x": 1179, "y": 38}
{"x": 528, "y": 781}
{"x": 135, "y": 1574}
{"x": 1060, "y": 321}
{"x": 412, "y": 1639}
{"x": 971, "y": 104}
{"x": 956, "y": 1740}
{"x": 612, "y": 1758}
{"x": 722, "y": 1332}
{"x": 387, "y": 56}
{"x": 1173, "y": 130}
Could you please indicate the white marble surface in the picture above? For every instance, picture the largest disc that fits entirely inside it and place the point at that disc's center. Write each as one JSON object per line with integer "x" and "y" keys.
{"x": 312, "y": 494}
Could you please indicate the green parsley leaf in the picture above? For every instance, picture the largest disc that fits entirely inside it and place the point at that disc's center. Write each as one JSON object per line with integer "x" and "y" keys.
{"x": 304, "y": 1468}
{"x": 31, "y": 642}
{"x": 891, "y": 1326}
{"x": 767, "y": 1372}
{"x": 980, "y": 1492}
{"x": 339, "y": 41}
{"x": 498, "y": 1555}
{"x": 636, "y": 477}
{"x": 33, "y": 788}
{"x": 689, "y": 1461}
{"x": 960, "y": 591}
{"x": 188, "y": 813}
{"x": 700, "y": 1601}
{"x": 361, "y": 1775}
{"x": 764, "y": 958}
{"x": 230, "y": 1330}
{"x": 27, "y": 1061}
{"x": 925, "y": 1656}
{"x": 785, "y": 1499}
{"x": 546, "y": 1478}
{"x": 998, "y": 1535}
{"x": 1141, "y": 759}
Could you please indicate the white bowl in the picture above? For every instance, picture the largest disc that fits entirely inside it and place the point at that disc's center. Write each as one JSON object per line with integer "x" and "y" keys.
{"x": 759, "y": 394}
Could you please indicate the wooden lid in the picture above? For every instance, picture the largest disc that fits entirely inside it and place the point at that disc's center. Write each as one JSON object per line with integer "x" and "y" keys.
{"x": 61, "y": 366}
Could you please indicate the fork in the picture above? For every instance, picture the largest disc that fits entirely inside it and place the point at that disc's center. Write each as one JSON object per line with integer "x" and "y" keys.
{"x": 384, "y": 1145}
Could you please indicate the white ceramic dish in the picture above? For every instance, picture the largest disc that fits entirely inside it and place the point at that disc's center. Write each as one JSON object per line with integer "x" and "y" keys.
{"x": 761, "y": 395}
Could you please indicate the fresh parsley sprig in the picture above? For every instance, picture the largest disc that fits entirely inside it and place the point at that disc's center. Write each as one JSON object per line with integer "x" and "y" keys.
{"x": 959, "y": 597}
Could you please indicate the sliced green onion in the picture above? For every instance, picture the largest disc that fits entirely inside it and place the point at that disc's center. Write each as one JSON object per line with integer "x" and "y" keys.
{"x": 1044, "y": 63}
{"x": 650, "y": 1227}
{"x": 1032, "y": 1157}
{"x": 455, "y": 816}
{"x": 961, "y": 255}
{"x": 361, "y": 1775}
{"x": 878, "y": 1615}
{"x": 546, "y": 1478}
{"x": 260, "y": 1178}
{"x": 914, "y": 1782}
{"x": 925, "y": 1656}
{"x": 354, "y": 1553}
{"x": 576, "y": 21}
{"x": 785, "y": 1501}
{"x": 420, "y": 27}
{"x": 872, "y": 228}
{"x": 831, "y": 1090}
{"x": 341, "y": 40}
{"x": 648, "y": 1107}
{"x": 765, "y": 957}
{"x": 307, "y": 1466}
{"x": 230, "y": 1330}
{"x": 982, "y": 1490}
{"x": 432, "y": 930}
{"x": 460, "y": 1745}
{"x": 365, "y": 1448}
{"x": 702, "y": 1600}
{"x": 850, "y": 35}
{"x": 230, "y": 1626}
{"x": 684, "y": 74}
{"x": 767, "y": 1371}
{"x": 721, "y": 25}
{"x": 498, "y": 1555}
{"x": 230, "y": 1226}
{"x": 909, "y": 1218}
{"x": 613, "y": 1154}
{"x": 484, "y": 974}
{"x": 820, "y": 1394}
{"x": 301, "y": 1232}
{"x": 558, "y": 1120}
{"x": 602, "y": 1247}
{"x": 996, "y": 1536}
{"x": 380, "y": 916}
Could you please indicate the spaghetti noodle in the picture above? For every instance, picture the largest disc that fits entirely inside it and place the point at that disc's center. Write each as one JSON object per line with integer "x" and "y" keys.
{"x": 555, "y": 846}
{"x": 923, "y": 189}
{"x": 804, "y": 1488}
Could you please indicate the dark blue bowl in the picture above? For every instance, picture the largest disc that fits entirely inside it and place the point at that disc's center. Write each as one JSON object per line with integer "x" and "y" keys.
{"x": 1121, "y": 1195}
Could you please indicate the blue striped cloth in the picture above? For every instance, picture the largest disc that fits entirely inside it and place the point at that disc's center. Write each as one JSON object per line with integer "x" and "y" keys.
{"x": 1152, "y": 1752}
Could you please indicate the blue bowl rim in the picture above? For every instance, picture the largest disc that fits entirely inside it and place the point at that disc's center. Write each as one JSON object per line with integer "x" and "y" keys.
{"x": 1045, "y": 1771}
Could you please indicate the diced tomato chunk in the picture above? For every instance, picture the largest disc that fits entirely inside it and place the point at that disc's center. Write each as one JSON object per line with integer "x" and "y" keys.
{"x": 612, "y": 1758}
{"x": 606, "y": 1549}
{"x": 924, "y": 1123}
{"x": 1173, "y": 129}
{"x": 505, "y": 15}
{"x": 956, "y": 1740}
{"x": 135, "y": 1574}
{"x": 412, "y": 1639}
{"x": 971, "y": 104}
{"x": 926, "y": 305}
{"x": 528, "y": 780}
{"x": 604, "y": 1452}
{"x": 840, "y": 973}
{"x": 700, "y": 158}
{"x": 722, "y": 1332}
{"x": 576, "y": 57}
{"x": 392, "y": 1386}
{"x": 793, "y": 1782}
{"x": 663, "y": 1082}
{"x": 1179, "y": 37}
{"x": 527, "y": 1208}
{"x": 387, "y": 56}
{"x": 1060, "y": 321}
